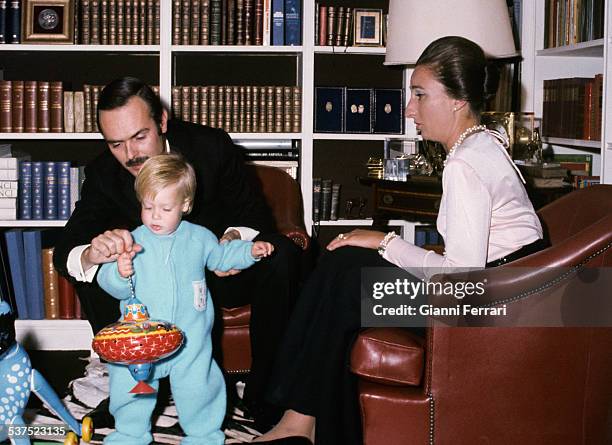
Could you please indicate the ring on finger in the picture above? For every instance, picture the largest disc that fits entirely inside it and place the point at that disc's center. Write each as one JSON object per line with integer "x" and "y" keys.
{"x": 342, "y": 236}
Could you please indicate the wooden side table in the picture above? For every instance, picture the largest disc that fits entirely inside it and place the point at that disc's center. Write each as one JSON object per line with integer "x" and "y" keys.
{"x": 417, "y": 199}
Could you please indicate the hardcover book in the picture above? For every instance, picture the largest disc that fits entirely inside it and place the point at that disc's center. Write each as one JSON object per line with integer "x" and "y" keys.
{"x": 25, "y": 190}
{"x": 6, "y": 118}
{"x": 50, "y": 285}
{"x": 278, "y": 22}
{"x": 316, "y": 200}
{"x": 17, "y": 106}
{"x": 358, "y": 110}
{"x": 335, "y": 202}
{"x": 30, "y": 110}
{"x": 50, "y": 190}
{"x": 33, "y": 274}
{"x": 293, "y": 22}
{"x": 68, "y": 111}
{"x": 37, "y": 190}
{"x": 326, "y": 190}
{"x": 329, "y": 109}
{"x": 63, "y": 190}
{"x": 388, "y": 111}
{"x": 67, "y": 298}
{"x": 16, "y": 257}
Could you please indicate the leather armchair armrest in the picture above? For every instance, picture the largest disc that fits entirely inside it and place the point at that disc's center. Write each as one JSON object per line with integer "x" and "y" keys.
{"x": 526, "y": 275}
{"x": 298, "y": 236}
{"x": 391, "y": 356}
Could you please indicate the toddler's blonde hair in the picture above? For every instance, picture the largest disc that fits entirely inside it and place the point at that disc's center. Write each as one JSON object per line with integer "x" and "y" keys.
{"x": 165, "y": 170}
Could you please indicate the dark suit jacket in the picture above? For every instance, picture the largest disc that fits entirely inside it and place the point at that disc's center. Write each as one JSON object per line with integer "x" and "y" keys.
{"x": 225, "y": 195}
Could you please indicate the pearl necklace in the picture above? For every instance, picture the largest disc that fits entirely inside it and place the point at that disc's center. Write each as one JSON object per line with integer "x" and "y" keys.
{"x": 468, "y": 132}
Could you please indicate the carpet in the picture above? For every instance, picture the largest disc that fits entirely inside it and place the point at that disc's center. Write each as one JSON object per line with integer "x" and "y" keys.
{"x": 86, "y": 392}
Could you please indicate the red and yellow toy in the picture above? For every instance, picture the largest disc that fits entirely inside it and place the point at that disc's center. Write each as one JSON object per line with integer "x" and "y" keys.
{"x": 138, "y": 341}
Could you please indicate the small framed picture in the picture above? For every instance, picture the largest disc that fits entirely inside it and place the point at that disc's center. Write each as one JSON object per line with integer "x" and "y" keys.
{"x": 368, "y": 27}
{"x": 48, "y": 21}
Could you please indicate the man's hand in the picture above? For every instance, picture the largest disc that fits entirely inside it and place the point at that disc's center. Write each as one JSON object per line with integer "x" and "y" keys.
{"x": 261, "y": 249}
{"x": 107, "y": 247}
{"x": 228, "y": 236}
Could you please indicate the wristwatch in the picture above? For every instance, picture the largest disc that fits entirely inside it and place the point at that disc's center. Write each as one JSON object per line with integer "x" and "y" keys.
{"x": 382, "y": 247}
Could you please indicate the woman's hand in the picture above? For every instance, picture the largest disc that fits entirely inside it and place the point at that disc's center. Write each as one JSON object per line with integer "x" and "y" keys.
{"x": 370, "y": 239}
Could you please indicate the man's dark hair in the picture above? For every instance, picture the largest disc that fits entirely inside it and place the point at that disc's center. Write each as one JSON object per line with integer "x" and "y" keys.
{"x": 117, "y": 93}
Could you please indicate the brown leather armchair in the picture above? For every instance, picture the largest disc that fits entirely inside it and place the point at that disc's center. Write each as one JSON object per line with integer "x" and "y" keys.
{"x": 502, "y": 385}
{"x": 282, "y": 194}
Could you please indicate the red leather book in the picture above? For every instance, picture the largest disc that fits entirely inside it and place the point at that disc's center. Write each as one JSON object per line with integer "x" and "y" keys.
{"x": 67, "y": 299}
{"x": 56, "y": 105}
{"x": 44, "y": 118}
{"x": 30, "y": 108}
{"x": 50, "y": 286}
{"x": 17, "y": 106}
{"x": 6, "y": 97}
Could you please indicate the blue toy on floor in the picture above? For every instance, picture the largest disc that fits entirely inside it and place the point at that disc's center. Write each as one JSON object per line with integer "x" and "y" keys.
{"x": 17, "y": 380}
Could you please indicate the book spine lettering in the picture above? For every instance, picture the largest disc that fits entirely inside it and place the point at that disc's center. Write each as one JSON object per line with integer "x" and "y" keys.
{"x": 18, "y": 106}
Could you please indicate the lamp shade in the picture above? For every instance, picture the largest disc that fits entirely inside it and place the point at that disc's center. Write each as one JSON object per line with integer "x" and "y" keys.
{"x": 414, "y": 24}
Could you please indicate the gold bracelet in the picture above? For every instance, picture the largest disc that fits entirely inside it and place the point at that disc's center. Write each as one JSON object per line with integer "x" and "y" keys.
{"x": 382, "y": 247}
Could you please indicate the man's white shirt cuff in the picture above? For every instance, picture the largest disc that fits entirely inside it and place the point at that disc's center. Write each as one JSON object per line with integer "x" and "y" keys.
{"x": 75, "y": 268}
{"x": 246, "y": 233}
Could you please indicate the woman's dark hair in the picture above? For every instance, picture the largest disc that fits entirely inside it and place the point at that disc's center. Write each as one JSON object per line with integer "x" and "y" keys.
{"x": 460, "y": 65}
{"x": 117, "y": 93}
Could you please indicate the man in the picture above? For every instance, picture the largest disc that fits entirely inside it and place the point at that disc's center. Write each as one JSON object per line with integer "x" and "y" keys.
{"x": 136, "y": 127}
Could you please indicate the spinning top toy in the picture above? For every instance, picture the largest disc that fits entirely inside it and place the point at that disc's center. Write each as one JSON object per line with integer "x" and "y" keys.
{"x": 137, "y": 341}
{"x": 17, "y": 381}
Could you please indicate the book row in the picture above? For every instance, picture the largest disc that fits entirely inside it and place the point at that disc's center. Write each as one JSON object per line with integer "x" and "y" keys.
{"x": 240, "y": 109}
{"x": 38, "y": 190}
{"x": 236, "y": 22}
{"x": 359, "y": 110}
{"x": 572, "y": 108}
{"x": 30, "y": 282}
{"x": 325, "y": 200}
{"x": 117, "y": 22}
{"x": 333, "y": 25}
{"x": 427, "y": 236}
{"x": 32, "y": 106}
{"x": 572, "y": 21}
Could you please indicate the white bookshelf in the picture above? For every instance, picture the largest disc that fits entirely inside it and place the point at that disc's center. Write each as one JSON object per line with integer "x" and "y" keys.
{"x": 53, "y": 334}
{"x": 584, "y": 59}
{"x": 31, "y": 223}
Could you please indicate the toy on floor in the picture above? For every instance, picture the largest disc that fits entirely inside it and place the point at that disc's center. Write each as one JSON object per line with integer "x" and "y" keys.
{"x": 17, "y": 380}
{"x": 137, "y": 341}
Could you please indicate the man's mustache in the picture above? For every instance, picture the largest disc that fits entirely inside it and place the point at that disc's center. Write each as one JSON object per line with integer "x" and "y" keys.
{"x": 136, "y": 161}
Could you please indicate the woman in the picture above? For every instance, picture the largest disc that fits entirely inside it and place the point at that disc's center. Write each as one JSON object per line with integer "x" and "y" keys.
{"x": 485, "y": 217}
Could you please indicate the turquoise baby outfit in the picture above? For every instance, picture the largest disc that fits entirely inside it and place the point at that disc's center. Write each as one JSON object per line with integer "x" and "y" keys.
{"x": 169, "y": 280}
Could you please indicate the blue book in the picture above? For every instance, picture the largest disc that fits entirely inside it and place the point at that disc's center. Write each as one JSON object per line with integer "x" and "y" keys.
{"x": 50, "y": 190}
{"x": 13, "y": 22}
{"x": 16, "y": 257}
{"x": 2, "y": 21}
{"x": 25, "y": 190}
{"x": 278, "y": 22}
{"x": 420, "y": 236}
{"x": 6, "y": 287}
{"x": 63, "y": 190}
{"x": 33, "y": 274}
{"x": 37, "y": 190}
{"x": 293, "y": 22}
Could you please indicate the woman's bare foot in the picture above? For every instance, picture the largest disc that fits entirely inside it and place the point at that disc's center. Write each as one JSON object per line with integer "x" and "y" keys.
{"x": 291, "y": 424}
